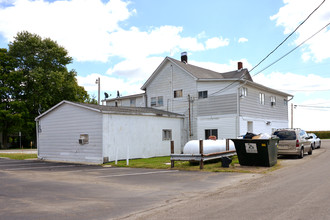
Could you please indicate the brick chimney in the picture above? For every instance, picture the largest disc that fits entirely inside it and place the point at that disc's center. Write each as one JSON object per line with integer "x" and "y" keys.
{"x": 184, "y": 57}
{"x": 239, "y": 65}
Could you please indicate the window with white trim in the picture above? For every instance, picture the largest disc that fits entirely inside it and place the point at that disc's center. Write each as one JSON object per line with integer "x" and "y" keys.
{"x": 167, "y": 134}
{"x": 244, "y": 92}
{"x": 262, "y": 98}
{"x": 178, "y": 93}
{"x": 211, "y": 132}
{"x": 272, "y": 100}
{"x": 202, "y": 94}
{"x": 156, "y": 101}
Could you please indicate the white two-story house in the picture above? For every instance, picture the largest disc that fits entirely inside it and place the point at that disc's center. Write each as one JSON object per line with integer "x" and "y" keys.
{"x": 225, "y": 105}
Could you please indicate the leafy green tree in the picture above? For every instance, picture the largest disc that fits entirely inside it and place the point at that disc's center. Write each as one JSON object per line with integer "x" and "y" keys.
{"x": 34, "y": 77}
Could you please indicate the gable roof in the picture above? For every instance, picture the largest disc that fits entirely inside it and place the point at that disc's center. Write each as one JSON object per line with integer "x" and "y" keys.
{"x": 114, "y": 110}
{"x": 199, "y": 73}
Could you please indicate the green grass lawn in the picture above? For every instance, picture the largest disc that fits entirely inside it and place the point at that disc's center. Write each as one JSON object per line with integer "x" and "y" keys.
{"x": 19, "y": 156}
{"x": 165, "y": 163}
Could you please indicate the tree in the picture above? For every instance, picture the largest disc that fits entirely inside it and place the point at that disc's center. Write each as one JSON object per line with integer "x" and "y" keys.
{"x": 37, "y": 79}
{"x": 11, "y": 110}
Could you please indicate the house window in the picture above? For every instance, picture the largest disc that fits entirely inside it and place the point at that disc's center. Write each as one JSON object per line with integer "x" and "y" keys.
{"x": 157, "y": 101}
{"x": 160, "y": 101}
{"x": 285, "y": 102}
{"x": 272, "y": 100}
{"x": 244, "y": 92}
{"x": 167, "y": 134}
{"x": 202, "y": 94}
{"x": 132, "y": 102}
{"x": 262, "y": 98}
{"x": 178, "y": 93}
{"x": 211, "y": 132}
{"x": 153, "y": 101}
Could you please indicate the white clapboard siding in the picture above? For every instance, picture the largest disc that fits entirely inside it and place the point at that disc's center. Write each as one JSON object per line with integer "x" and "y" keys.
{"x": 250, "y": 106}
{"x": 60, "y": 132}
{"x": 226, "y": 125}
{"x": 138, "y": 136}
{"x": 217, "y": 105}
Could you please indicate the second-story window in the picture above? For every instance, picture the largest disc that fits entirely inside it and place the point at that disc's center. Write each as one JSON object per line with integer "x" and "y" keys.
{"x": 244, "y": 92}
{"x": 202, "y": 94}
{"x": 177, "y": 93}
{"x": 156, "y": 101}
{"x": 272, "y": 100}
{"x": 262, "y": 98}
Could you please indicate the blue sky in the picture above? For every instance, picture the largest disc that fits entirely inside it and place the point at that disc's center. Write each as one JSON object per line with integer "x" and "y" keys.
{"x": 123, "y": 42}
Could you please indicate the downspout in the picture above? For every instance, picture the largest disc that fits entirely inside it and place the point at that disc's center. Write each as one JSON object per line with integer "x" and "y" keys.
{"x": 189, "y": 116}
{"x": 171, "y": 95}
{"x": 238, "y": 113}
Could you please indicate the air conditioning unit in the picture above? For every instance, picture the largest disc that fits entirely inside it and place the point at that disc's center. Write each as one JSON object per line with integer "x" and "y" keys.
{"x": 272, "y": 103}
{"x": 81, "y": 141}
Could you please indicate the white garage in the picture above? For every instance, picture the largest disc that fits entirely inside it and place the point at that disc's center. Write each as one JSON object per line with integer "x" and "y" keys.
{"x": 89, "y": 133}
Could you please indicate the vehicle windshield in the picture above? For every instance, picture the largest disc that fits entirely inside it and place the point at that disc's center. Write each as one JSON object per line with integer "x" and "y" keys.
{"x": 285, "y": 135}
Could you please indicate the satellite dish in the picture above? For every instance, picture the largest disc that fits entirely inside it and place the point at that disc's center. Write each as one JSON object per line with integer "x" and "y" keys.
{"x": 106, "y": 95}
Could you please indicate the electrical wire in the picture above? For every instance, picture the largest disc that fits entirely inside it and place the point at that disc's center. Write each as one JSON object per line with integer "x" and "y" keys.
{"x": 271, "y": 51}
{"x": 288, "y": 36}
{"x": 292, "y": 49}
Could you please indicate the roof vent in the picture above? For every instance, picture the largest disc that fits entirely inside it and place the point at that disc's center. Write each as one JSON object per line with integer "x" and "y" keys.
{"x": 184, "y": 57}
{"x": 239, "y": 65}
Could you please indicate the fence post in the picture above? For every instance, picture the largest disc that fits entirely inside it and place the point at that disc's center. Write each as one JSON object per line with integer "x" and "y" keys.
{"x": 172, "y": 152}
{"x": 201, "y": 163}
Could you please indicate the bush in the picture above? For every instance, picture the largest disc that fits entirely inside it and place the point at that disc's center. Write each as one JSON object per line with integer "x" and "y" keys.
{"x": 321, "y": 134}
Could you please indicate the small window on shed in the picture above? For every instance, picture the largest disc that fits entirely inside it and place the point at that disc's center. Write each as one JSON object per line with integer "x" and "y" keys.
{"x": 167, "y": 134}
{"x": 178, "y": 93}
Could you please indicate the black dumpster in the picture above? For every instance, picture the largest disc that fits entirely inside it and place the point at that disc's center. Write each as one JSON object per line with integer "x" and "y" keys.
{"x": 256, "y": 152}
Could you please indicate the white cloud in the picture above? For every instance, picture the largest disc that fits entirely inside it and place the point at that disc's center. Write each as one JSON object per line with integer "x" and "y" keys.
{"x": 226, "y": 67}
{"x": 82, "y": 27}
{"x": 293, "y": 13}
{"x": 242, "y": 40}
{"x": 293, "y": 83}
{"x": 134, "y": 43}
{"x": 216, "y": 42}
{"x": 109, "y": 84}
{"x": 137, "y": 70}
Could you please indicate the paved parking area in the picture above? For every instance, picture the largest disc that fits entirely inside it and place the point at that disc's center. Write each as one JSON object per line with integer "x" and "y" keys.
{"x": 34, "y": 189}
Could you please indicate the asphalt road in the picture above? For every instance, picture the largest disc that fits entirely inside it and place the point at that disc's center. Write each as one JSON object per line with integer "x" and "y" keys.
{"x": 300, "y": 190}
{"x": 43, "y": 190}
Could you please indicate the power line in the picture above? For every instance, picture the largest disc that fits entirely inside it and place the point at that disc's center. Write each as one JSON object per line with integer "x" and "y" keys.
{"x": 292, "y": 49}
{"x": 271, "y": 51}
{"x": 288, "y": 36}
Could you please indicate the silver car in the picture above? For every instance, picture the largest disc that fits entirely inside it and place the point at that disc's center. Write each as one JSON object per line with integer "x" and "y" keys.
{"x": 293, "y": 142}
{"x": 314, "y": 140}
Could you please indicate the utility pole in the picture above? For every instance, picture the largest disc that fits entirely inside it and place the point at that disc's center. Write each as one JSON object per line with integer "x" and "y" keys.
{"x": 99, "y": 88}
{"x": 291, "y": 115}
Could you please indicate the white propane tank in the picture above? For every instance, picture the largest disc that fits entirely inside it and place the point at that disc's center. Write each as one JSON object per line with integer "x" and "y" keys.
{"x": 209, "y": 146}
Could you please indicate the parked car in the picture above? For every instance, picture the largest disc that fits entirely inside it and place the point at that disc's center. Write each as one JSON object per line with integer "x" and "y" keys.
{"x": 314, "y": 140}
{"x": 293, "y": 142}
